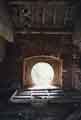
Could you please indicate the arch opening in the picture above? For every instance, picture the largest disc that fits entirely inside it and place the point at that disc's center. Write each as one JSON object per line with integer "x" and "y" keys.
{"x": 42, "y": 75}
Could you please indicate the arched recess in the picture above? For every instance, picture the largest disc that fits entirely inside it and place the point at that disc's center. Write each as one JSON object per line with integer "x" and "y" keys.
{"x": 55, "y": 62}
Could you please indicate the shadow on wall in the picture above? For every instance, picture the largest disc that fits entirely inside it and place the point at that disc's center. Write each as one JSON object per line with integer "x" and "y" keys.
{"x": 77, "y": 17}
{"x": 8, "y": 69}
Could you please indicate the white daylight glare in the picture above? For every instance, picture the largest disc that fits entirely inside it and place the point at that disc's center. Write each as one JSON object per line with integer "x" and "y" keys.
{"x": 42, "y": 73}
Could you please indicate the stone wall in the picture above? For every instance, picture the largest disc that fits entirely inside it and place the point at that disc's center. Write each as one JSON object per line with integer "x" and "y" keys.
{"x": 29, "y": 45}
{"x": 56, "y": 45}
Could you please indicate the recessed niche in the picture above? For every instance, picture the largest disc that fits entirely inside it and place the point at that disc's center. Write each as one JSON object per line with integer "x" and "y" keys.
{"x": 42, "y": 72}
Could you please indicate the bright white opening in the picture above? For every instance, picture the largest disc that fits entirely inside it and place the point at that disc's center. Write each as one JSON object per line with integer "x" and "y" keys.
{"x": 42, "y": 74}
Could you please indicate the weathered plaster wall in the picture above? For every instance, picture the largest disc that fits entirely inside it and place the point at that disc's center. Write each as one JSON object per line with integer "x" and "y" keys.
{"x": 6, "y": 30}
{"x": 6, "y": 35}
